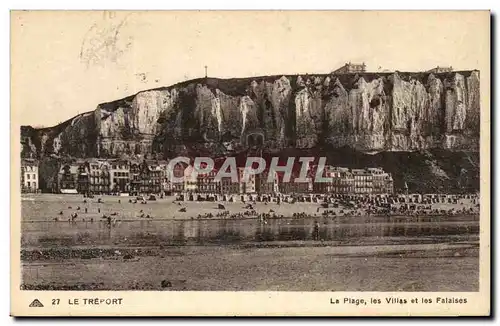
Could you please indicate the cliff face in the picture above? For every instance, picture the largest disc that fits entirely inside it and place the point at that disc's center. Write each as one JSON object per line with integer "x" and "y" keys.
{"x": 367, "y": 112}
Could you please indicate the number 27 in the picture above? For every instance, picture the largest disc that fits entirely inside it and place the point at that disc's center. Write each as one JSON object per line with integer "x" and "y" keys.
{"x": 55, "y": 302}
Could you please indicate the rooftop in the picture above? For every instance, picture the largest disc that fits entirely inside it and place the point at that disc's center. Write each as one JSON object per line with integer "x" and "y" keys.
{"x": 28, "y": 161}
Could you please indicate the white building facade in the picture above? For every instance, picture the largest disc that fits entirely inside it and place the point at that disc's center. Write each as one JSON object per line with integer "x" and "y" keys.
{"x": 29, "y": 176}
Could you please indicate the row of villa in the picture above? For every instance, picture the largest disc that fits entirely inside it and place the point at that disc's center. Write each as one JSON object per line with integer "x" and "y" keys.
{"x": 99, "y": 176}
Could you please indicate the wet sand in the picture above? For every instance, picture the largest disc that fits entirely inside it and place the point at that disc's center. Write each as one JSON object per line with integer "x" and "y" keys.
{"x": 445, "y": 267}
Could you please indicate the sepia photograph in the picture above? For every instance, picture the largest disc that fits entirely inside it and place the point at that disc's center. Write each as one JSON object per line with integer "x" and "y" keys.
{"x": 269, "y": 151}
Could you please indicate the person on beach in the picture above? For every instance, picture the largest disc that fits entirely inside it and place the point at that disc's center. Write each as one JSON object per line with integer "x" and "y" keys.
{"x": 316, "y": 230}
{"x": 109, "y": 220}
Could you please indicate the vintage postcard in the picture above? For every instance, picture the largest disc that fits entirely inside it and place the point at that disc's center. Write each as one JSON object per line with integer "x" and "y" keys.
{"x": 239, "y": 163}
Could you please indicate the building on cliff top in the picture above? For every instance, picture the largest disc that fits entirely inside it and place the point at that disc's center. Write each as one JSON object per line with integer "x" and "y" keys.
{"x": 350, "y": 68}
{"x": 439, "y": 69}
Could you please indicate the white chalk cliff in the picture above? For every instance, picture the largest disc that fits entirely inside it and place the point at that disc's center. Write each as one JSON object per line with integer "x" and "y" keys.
{"x": 367, "y": 112}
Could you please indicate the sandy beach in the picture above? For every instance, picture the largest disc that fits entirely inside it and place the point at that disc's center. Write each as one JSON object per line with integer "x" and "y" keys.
{"x": 446, "y": 267}
{"x": 176, "y": 251}
{"x": 46, "y": 207}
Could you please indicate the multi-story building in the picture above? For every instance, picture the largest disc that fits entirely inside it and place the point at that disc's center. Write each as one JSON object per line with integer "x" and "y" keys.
{"x": 247, "y": 186}
{"x": 389, "y": 184}
{"x": 29, "y": 175}
{"x": 320, "y": 187}
{"x": 134, "y": 177}
{"x": 150, "y": 178}
{"x": 67, "y": 178}
{"x": 166, "y": 175}
{"x": 342, "y": 181}
{"x": 206, "y": 183}
{"x": 378, "y": 183}
{"x": 99, "y": 177}
{"x": 165, "y": 185}
{"x": 83, "y": 178}
{"x": 345, "y": 184}
{"x": 350, "y": 68}
{"x": 263, "y": 186}
{"x": 120, "y": 176}
{"x": 363, "y": 181}
{"x": 228, "y": 187}
{"x": 382, "y": 181}
{"x": 190, "y": 179}
{"x": 295, "y": 185}
{"x": 178, "y": 171}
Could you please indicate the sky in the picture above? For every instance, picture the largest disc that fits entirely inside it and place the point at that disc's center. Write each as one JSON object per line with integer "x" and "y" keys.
{"x": 66, "y": 63}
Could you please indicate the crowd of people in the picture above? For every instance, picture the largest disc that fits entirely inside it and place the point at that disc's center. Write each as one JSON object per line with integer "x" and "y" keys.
{"x": 329, "y": 206}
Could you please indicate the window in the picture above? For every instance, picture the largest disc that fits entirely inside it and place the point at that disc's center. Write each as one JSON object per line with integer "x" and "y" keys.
{"x": 29, "y": 183}
{"x": 28, "y": 177}
{"x": 34, "y": 184}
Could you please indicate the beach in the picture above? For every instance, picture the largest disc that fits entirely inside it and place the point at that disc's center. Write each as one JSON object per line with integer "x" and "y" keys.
{"x": 177, "y": 251}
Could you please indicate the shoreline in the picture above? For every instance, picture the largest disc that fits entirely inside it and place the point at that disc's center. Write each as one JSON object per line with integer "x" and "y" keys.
{"x": 332, "y": 217}
{"x": 469, "y": 240}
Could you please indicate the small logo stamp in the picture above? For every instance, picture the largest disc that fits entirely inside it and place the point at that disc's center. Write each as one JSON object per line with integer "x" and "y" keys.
{"x": 36, "y": 303}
